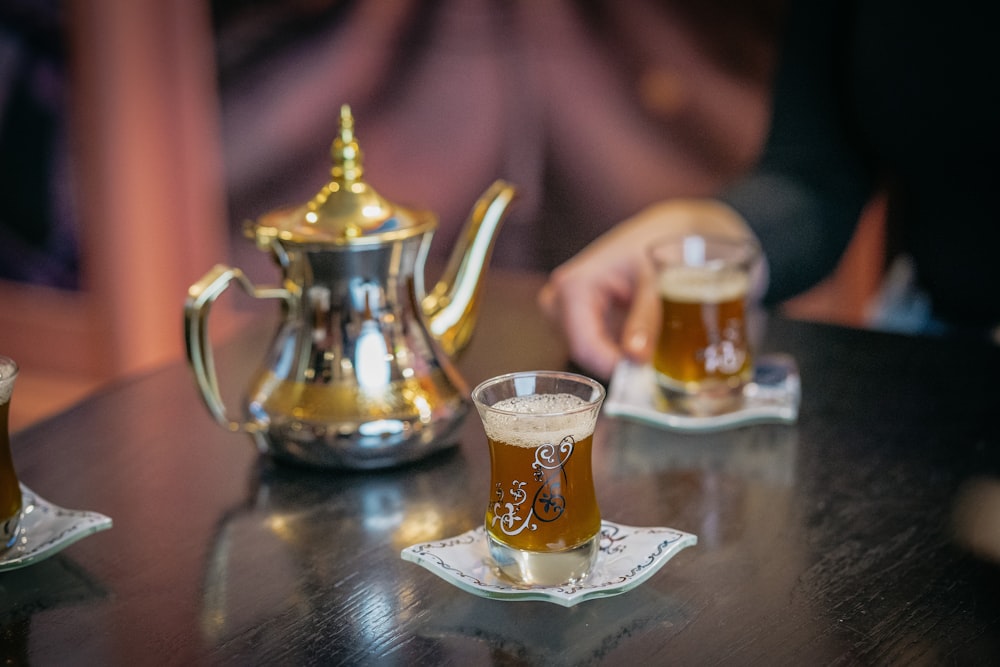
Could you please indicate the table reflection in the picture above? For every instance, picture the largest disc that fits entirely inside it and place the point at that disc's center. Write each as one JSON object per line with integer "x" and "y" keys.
{"x": 42, "y": 588}
{"x": 714, "y": 480}
{"x": 280, "y": 556}
{"x": 465, "y": 629}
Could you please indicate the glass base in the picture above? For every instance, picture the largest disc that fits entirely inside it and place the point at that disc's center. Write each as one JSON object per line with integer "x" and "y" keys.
{"x": 701, "y": 399}
{"x": 549, "y": 568}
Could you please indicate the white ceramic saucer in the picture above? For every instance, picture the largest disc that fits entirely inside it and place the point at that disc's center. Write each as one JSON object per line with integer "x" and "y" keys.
{"x": 47, "y": 529}
{"x": 628, "y": 557}
{"x": 773, "y": 396}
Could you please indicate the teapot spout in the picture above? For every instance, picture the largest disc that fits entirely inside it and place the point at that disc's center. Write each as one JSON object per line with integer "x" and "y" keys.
{"x": 450, "y": 309}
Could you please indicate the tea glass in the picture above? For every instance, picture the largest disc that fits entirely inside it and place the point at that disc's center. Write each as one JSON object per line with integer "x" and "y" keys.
{"x": 10, "y": 489}
{"x": 542, "y": 521}
{"x": 702, "y": 356}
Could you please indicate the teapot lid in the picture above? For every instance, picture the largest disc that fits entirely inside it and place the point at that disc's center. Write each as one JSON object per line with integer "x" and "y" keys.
{"x": 346, "y": 211}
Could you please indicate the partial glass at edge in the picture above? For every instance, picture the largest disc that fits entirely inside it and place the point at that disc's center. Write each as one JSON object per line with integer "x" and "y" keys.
{"x": 10, "y": 489}
{"x": 542, "y": 519}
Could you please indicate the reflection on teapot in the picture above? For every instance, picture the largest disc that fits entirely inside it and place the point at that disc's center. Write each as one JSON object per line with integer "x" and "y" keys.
{"x": 359, "y": 374}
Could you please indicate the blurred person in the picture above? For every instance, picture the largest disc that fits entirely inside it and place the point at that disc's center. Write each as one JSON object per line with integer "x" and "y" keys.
{"x": 592, "y": 108}
{"x": 881, "y": 95}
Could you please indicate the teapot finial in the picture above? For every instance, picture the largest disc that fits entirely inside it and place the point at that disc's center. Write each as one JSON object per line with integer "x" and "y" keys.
{"x": 345, "y": 150}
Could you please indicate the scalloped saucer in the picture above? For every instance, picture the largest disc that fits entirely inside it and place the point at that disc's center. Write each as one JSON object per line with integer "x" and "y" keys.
{"x": 772, "y": 397}
{"x": 47, "y": 529}
{"x": 629, "y": 556}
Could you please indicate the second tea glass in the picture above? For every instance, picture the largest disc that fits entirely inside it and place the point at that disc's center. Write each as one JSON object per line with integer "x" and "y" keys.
{"x": 542, "y": 520}
{"x": 702, "y": 356}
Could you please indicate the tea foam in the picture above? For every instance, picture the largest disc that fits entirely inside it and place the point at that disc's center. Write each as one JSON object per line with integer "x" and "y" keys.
{"x": 693, "y": 284}
{"x": 538, "y": 419}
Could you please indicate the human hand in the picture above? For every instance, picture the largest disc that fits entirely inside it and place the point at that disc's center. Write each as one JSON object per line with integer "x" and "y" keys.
{"x": 604, "y": 300}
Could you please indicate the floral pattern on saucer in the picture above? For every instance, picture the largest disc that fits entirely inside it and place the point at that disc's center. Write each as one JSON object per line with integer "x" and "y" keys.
{"x": 47, "y": 529}
{"x": 628, "y": 556}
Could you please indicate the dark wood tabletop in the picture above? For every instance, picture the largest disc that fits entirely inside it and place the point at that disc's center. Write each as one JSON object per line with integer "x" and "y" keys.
{"x": 842, "y": 539}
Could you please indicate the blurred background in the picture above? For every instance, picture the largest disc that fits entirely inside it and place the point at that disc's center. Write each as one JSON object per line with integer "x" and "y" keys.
{"x": 136, "y": 137}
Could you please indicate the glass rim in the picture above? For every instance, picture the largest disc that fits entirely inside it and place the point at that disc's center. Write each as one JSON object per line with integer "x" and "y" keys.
{"x": 719, "y": 238}
{"x": 597, "y": 398}
{"x": 748, "y": 246}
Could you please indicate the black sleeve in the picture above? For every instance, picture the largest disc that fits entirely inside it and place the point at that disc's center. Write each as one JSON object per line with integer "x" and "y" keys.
{"x": 804, "y": 197}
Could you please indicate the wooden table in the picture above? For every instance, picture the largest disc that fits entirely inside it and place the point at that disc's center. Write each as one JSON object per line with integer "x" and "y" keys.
{"x": 834, "y": 541}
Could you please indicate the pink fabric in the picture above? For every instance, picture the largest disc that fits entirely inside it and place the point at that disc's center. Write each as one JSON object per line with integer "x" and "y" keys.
{"x": 592, "y": 123}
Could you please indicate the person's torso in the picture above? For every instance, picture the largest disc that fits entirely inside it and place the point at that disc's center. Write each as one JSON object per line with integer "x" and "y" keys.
{"x": 922, "y": 88}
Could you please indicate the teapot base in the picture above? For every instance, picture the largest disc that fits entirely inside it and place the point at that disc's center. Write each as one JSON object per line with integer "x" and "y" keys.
{"x": 373, "y": 445}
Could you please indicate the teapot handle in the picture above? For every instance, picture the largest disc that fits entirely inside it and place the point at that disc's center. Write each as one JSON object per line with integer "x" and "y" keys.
{"x": 200, "y": 297}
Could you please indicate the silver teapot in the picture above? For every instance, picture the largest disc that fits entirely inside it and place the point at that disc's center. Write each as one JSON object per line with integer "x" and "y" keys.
{"x": 359, "y": 374}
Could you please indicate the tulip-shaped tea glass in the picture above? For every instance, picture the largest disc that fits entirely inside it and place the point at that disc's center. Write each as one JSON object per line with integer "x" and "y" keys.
{"x": 542, "y": 522}
{"x": 702, "y": 356}
{"x": 10, "y": 489}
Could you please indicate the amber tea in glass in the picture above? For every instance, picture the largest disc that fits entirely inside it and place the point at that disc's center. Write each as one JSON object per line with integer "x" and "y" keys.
{"x": 542, "y": 519}
{"x": 10, "y": 489}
